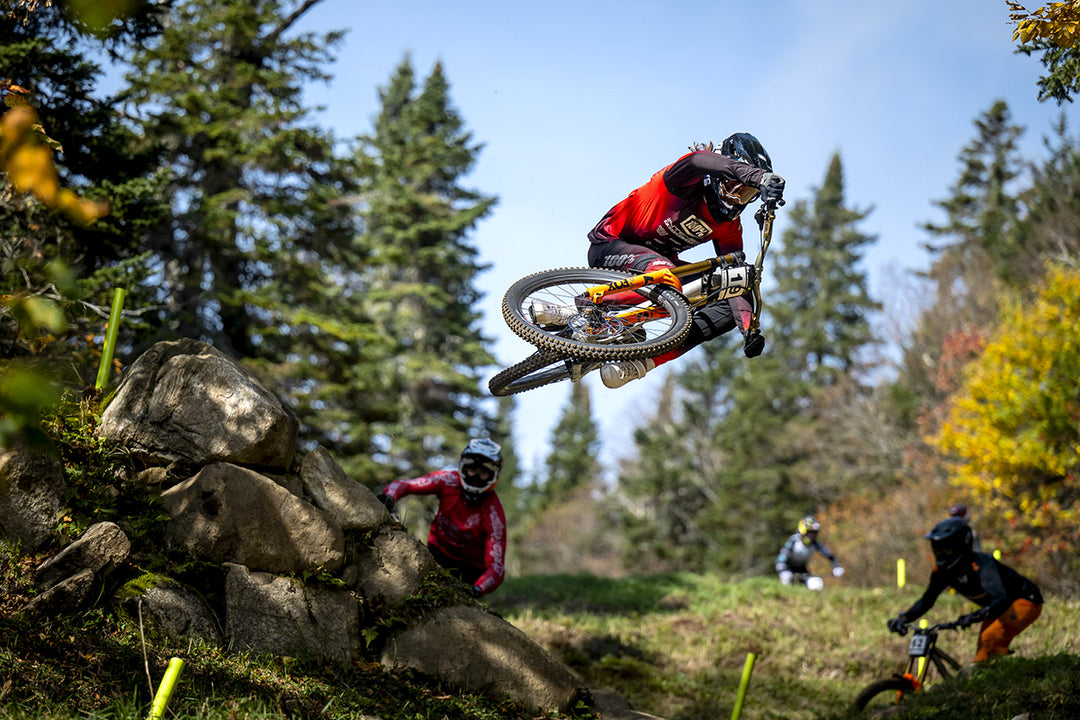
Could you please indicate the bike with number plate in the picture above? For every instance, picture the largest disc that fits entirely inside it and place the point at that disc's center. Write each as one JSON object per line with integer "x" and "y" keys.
{"x": 879, "y": 698}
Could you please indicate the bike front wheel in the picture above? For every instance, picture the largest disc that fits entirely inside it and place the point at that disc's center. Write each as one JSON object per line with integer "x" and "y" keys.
{"x": 548, "y": 309}
{"x": 883, "y": 694}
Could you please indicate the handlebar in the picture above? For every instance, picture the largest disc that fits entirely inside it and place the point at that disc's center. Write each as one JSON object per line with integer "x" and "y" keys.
{"x": 953, "y": 625}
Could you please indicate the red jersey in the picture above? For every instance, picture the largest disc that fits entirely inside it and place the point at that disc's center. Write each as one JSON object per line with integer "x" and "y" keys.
{"x": 669, "y": 214}
{"x": 474, "y": 534}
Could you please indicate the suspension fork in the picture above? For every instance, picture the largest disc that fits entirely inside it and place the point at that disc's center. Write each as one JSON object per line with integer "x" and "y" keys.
{"x": 768, "y": 214}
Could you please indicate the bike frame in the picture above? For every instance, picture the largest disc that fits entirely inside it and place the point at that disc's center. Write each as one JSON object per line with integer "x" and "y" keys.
{"x": 923, "y": 647}
{"x": 673, "y": 276}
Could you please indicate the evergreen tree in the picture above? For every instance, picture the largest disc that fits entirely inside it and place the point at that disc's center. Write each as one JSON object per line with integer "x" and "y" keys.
{"x": 1050, "y": 229}
{"x": 984, "y": 207}
{"x": 667, "y": 489}
{"x": 980, "y": 249}
{"x": 419, "y": 279}
{"x": 575, "y": 444}
{"x": 262, "y": 255}
{"x": 58, "y": 271}
{"x": 567, "y": 528}
{"x": 255, "y": 193}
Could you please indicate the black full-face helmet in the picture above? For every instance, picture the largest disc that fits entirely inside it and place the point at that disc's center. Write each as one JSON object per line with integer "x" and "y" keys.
{"x": 479, "y": 467}
{"x": 952, "y": 542}
{"x": 748, "y": 149}
{"x": 726, "y": 199}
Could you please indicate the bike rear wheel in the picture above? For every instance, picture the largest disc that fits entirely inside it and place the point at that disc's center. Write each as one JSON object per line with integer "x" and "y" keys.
{"x": 595, "y": 332}
{"x": 883, "y": 694}
{"x": 534, "y": 371}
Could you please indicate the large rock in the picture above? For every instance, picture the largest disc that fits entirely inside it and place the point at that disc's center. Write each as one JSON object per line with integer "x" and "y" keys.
{"x": 350, "y": 504}
{"x": 31, "y": 496}
{"x": 483, "y": 653}
{"x": 174, "y": 609}
{"x": 101, "y": 549}
{"x": 267, "y": 613}
{"x": 227, "y": 513}
{"x": 186, "y": 401}
{"x": 392, "y": 567}
{"x": 67, "y": 597}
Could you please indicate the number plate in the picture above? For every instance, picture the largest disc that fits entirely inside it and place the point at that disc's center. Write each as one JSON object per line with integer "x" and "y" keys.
{"x": 917, "y": 648}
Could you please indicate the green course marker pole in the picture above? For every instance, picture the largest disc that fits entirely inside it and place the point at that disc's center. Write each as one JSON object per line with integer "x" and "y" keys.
{"x": 110, "y": 339}
{"x": 743, "y": 684}
{"x": 165, "y": 690}
{"x": 900, "y": 575}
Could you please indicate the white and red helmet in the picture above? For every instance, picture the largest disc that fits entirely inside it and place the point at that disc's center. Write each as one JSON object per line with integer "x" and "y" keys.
{"x": 479, "y": 467}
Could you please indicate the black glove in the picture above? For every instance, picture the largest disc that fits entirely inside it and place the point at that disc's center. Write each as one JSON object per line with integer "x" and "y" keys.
{"x": 772, "y": 188}
{"x": 965, "y": 621}
{"x": 898, "y": 625}
{"x": 475, "y": 591}
{"x": 753, "y": 344}
{"x": 386, "y": 500}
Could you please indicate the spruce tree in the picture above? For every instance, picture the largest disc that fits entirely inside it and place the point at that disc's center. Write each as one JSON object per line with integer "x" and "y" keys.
{"x": 572, "y": 462}
{"x": 255, "y": 188}
{"x": 420, "y": 272}
{"x": 983, "y": 210}
{"x": 57, "y": 273}
{"x": 977, "y": 250}
{"x": 666, "y": 489}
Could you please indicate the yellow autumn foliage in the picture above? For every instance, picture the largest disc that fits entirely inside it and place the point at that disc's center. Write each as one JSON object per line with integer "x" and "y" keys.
{"x": 1013, "y": 427}
{"x": 28, "y": 164}
{"x": 1056, "y": 22}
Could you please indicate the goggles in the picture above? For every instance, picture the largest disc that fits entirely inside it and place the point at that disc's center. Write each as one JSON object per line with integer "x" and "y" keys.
{"x": 738, "y": 193}
{"x": 477, "y": 475}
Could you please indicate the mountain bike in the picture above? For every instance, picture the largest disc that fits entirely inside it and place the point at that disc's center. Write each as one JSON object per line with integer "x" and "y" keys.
{"x": 922, "y": 653}
{"x": 580, "y": 318}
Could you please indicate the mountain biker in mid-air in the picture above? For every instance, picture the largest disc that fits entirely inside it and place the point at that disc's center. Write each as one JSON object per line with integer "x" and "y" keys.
{"x": 468, "y": 534}
{"x": 797, "y": 551}
{"x": 695, "y": 199}
{"x": 1008, "y": 601}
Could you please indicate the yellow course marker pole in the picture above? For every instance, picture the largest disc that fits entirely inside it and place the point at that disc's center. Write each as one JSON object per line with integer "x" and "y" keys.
{"x": 743, "y": 684}
{"x": 165, "y": 690}
{"x": 110, "y": 338}
{"x": 900, "y": 570}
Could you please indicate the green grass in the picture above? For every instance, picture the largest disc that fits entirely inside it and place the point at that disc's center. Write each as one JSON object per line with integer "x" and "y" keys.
{"x": 675, "y": 645}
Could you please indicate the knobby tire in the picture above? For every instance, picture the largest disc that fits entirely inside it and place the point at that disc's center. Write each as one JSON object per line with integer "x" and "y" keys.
{"x": 534, "y": 371}
{"x": 612, "y": 339}
{"x": 891, "y": 686}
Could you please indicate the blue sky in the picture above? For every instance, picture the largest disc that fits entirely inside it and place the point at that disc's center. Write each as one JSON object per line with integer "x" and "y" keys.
{"x": 579, "y": 102}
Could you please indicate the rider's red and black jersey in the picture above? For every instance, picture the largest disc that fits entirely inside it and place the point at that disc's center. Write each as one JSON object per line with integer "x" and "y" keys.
{"x": 473, "y": 534}
{"x": 985, "y": 581}
{"x": 669, "y": 214}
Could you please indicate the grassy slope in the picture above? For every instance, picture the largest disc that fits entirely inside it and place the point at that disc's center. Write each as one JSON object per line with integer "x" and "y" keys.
{"x": 675, "y": 645}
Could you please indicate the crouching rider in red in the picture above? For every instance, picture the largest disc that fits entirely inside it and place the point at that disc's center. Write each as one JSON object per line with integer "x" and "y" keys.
{"x": 468, "y": 534}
